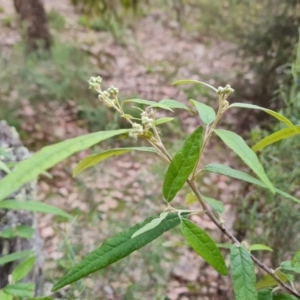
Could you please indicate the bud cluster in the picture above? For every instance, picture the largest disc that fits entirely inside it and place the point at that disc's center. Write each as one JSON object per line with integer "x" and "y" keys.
{"x": 146, "y": 121}
{"x": 95, "y": 82}
{"x": 137, "y": 129}
{"x": 227, "y": 90}
{"x": 113, "y": 91}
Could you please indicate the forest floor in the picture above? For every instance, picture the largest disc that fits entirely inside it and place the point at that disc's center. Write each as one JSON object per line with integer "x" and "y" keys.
{"x": 123, "y": 191}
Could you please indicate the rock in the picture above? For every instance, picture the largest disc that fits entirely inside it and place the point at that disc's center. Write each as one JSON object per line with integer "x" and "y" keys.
{"x": 9, "y": 139}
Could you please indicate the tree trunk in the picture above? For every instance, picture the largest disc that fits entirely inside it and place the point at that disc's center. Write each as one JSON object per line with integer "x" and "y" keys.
{"x": 33, "y": 15}
{"x": 9, "y": 139}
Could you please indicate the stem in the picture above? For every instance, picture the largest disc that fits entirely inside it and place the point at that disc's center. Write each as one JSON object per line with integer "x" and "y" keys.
{"x": 207, "y": 135}
{"x": 234, "y": 240}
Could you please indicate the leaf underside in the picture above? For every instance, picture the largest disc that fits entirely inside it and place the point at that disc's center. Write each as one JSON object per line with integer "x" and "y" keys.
{"x": 243, "y": 274}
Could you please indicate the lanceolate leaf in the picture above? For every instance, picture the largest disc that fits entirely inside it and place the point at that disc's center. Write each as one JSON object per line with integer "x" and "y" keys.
{"x": 215, "y": 204}
{"x": 243, "y": 274}
{"x": 275, "y": 114}
{"x": 203, "y": 244}
{"x": 239, "y": 146}
{"x": 33, "y": 206}
{"x": 187, "y": 81}
{"x": 4, "y": 167}
{"x": 276, "y": 136}
{"x": 174, "y": 104}
{"x": 23, "y": 269}
{"x": 287, "y": 266}
{"x": 116, "y": 248}
{"x": 269, "y": 281}
{"x": 49, "y": 156}
{"x": 259, "y": 247}
{"x": 182, "y": 165}
{"x": 163, "y": 120}
{"x": 296, "y": 258}
{"x": 190, "y": 198}
{"x": 206, "y": 113}
{"x": 21, "y": 289}
{"x": 95, "y": 159}
{"x": 265, "y": 294}
{"x": 23, "y": 231}
{"x": 14, "y": 256}
{"x": 4, "y": 153}
{"x": 148, "y": 103}
{"x": 221, "y": 169}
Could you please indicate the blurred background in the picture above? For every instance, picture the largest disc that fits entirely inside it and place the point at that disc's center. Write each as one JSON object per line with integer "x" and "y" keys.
{"x": 48, "y": 51}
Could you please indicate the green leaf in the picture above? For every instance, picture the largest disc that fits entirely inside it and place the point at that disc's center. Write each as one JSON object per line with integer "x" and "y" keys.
{"x": 14, "y": 256}
{"x": 20, "y": 289}
{"x": 116, "y": 248}
{"x": 4, "y": 167}
{"x": 258, "y": 247}
{"x": 287, "y": 266}
{"x": 162, "y": 121}
{"x": 33, "y": 206}
{"x": 190, "y": 198}
{"x": 203, "y": 244}
{"x": 239, "y": 146}
{"x": 296, "y": 258}
{"x": 148, "y": 103}
{"x": 187, "y": 81}
{"x": 276, "y": 136}
{"x": 275, "y": 114}
{"x": 174, "y": 104}
{"x": 224, "y": 245}
{"x": 23, "y": 268}
{"x": 225, "y": 170}
{"x": 94, "y": 159}
{"x": 243, "y": 273}
{"x": 4, "y": 153}
{"x": 23, "y": 231}
{"x": 4, "y": 296}
{"x": 215, "y": 204}
{"x": 265, "y": 294}
{"x": 7, "y": 233}
{"x": 284, "y": 297}
{"x": 182, "y": 165}
{"x": 27, "y": 170}
{"x": 206, "y": 113}
{"x": 154, "y": 223}
{"x": 269, "y": 281}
